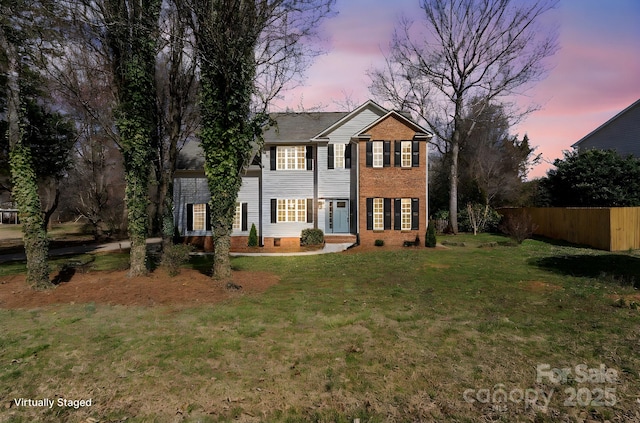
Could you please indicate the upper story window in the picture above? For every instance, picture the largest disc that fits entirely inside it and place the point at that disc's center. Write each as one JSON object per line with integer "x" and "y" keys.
{"x": 290, "y": 158}
{"x": 405, "y": 152}
{"x": 378, "y": 155}
{"x": 338, "y": 156}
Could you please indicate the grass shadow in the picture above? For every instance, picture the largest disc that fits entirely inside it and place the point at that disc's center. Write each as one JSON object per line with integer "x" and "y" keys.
{"x": 621, "y": 268}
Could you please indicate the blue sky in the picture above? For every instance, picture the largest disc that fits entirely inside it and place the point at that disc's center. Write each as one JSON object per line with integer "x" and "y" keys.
{"x": 594, "y": 75}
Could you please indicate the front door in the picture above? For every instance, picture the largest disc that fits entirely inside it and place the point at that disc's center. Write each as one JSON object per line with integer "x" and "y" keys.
{"x": 337, "y": 216}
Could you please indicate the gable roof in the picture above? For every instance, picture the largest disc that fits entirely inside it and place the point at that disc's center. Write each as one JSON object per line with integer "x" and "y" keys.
{"x": 420, "y": 131}
{"x": 611, "y": 122}
{"x": 370, "y": 104}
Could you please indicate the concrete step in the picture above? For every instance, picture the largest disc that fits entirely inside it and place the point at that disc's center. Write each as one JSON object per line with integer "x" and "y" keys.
{"x": 339, "y": 238}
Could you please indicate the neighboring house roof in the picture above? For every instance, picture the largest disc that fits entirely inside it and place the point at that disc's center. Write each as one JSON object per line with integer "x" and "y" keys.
{"x": 620, "y": 133}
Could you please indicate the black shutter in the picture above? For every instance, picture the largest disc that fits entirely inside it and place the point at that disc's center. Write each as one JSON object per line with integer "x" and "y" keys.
{"x": 369, "y": 154}
{"x": 244, "y": 216}
{"x": 386, "y": 157}
{"x": 397, "y": 214}
{"x": 397, "y": 153}
{"x": 347, "y": 156}
{"x": 387, "y": 213}
{"x": 189, "y": 217}
{"x": 309, "y": 157}
{"x": 274, "y": 210}
{"x": 309, "y": 210}
{"x": 415, "y": 214}
{"x": 208, "y": 218}
{"x": 369, "y": 214}
{"x": 330, "y": 156}
{"x": 272, "y": 157}
{"x": 415, "y": 153}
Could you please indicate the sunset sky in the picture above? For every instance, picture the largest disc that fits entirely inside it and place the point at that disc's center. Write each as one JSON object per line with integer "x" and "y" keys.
{"x": 594, "y": 75}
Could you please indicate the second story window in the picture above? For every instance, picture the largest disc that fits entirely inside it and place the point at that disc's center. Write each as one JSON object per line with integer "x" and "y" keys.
{"x": 377, "y": 153}
{"x": 291, "y": 158}
{"x": 405, "y": 149}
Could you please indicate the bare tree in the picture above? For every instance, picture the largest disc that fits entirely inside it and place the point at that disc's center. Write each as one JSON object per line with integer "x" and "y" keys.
{"x": 473, "y": 49}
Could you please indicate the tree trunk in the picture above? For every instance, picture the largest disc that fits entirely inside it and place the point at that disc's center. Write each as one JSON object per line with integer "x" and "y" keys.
{"x": 138, "y": 256}
{"x": 25, "y": 185}
{"x": 221, "y": 260}
{"x": 453, "y": 186}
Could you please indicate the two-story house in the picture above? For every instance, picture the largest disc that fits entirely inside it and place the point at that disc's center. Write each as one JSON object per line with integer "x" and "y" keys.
{"x": 361, "y": 174}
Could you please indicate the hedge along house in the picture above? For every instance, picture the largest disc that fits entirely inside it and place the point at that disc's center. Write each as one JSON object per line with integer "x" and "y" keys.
{"x": 324, "y": 170}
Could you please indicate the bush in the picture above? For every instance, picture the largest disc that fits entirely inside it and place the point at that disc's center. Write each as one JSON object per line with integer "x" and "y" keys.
{"x": 378, "y": 242}
{"x": 486, "y": 220}
{"x": 430, "y": 240}
{"x": 311, "y": 237}
{"x": 518, "y": 226}
{"x": 253, "y": 236}
{"x": 174, "y": 257}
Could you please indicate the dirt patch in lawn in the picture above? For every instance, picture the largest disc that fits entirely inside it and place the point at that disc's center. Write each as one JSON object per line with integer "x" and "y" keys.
{"x": 539, "y": 286}
{"x": 190, "y": 287}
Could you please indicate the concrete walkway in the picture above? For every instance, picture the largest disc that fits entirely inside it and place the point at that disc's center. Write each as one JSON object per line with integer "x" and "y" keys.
{"x": 125, "y": 245}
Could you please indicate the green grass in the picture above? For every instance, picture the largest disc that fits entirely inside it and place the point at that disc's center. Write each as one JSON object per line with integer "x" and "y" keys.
{"x": 379, "y": 336}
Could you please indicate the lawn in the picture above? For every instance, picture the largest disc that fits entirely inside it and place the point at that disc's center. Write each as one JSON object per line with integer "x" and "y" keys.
{"x": 481, "y": 332}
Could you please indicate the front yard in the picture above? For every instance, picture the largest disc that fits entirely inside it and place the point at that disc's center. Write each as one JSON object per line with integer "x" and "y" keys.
{"x": 475, "y": 333}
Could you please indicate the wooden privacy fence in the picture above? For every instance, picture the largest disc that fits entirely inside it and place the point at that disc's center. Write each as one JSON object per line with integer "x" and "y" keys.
{"x": 612, "y": 228}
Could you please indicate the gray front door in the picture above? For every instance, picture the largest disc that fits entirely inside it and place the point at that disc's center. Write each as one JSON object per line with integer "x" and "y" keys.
{"x": 337, "y": 216}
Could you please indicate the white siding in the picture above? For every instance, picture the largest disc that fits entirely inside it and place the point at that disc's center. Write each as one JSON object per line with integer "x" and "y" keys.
{"x": 249, "y": 194}
{"x": 283, "y": 184}
{"x": 188, "y": 191}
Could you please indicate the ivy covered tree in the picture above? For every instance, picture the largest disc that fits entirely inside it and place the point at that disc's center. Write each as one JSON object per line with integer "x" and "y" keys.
{"x": 593, "y": 178}
{"x": 132, "y": 35}
{"x": 242, "y": 45}
{"x": 19, "y": 38}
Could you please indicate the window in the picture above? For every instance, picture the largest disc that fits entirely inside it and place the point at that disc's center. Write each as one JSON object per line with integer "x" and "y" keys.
{"x": 338, "y": 156}
{"x": 237, "y": 217}
{"x": 406, "y": 153}
{"x": 292, "y": 210}
{"x": 291, "y": 158}
{"x": 405, "y": 207}
{"x": 199, "y": 217}
{"x": 378, "y": 214}
{"x": 378, "y": 159}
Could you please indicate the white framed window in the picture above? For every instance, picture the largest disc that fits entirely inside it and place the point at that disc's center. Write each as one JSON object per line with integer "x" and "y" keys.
{"x": 237, "y": 217}
{"x": 292, "y": 210}
{"x": 199, "y": 217}
{"x": 338, "y": 156}
{"x": 291, "y": 158}
{"x": 405, "y": 153}
{"x": 378, "y": 214}
{"x": 405, "y": 213}
{"x": 378, "y": 155}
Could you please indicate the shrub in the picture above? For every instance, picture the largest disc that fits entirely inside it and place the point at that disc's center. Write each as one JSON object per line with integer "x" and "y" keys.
{"x": 518, "y": 226}
{"x": 175, "y": 256}
{"x": 478, "y": 218}
{"x": 253, "y": 236}
{"x": 378, "y": 242}
{"x": 430, "y": 239}
{"x": 311, "y": 237}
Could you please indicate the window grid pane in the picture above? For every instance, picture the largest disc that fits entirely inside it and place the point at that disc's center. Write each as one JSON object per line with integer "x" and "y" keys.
{"x": 406, "y": 214}
{"x": 338, "y": 156}
{"x": 199, "y": 217}
{"x": 291, "y": 158}
{"x": 406, "y": 153}
{"x": 237, "y": 218}
{"x": 378, "y": 214}
{"x": 292, "y": 210}
{"x": 377, "y": 154}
